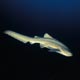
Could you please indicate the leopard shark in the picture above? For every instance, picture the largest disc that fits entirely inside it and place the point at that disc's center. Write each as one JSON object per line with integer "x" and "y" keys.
{"x": 47, "y": 41}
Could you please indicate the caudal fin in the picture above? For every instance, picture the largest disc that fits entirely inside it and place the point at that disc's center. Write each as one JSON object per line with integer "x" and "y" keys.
{"x": 17, "y": 36}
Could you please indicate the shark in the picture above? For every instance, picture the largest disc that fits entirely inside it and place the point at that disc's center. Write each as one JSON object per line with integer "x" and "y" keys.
{"x": 47, "y": 41}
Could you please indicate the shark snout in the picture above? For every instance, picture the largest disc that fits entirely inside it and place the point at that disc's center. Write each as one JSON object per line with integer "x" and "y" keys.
{"x": 66, "y": 53}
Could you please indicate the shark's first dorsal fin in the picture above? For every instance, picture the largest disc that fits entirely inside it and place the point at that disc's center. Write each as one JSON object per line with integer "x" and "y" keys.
{"x": 46, "y": 35}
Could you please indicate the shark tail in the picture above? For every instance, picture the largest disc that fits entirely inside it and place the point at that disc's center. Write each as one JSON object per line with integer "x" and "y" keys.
{"x": 17, "y": 36}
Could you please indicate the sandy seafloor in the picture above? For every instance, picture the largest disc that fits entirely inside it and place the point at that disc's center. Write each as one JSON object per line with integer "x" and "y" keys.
{"x": 59, "y": 18}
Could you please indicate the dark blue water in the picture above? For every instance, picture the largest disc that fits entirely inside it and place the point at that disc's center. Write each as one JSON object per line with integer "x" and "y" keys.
{"x": 59, "y": 18}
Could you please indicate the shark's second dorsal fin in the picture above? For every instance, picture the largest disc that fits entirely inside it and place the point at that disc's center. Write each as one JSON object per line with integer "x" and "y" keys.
{"x": 46, "y": 35}
{"x": 36, "y": 37}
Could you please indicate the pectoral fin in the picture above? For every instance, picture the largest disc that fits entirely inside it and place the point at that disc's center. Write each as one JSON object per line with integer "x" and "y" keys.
{"x": 53, "y": 50}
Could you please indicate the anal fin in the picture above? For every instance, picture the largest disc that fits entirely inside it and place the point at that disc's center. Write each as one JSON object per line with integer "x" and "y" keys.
{"x": 41, "y": 46}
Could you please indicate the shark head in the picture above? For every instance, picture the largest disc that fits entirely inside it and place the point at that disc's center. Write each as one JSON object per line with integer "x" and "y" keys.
{"x": 56, "y": 46}
{"x": 65, "y": 52}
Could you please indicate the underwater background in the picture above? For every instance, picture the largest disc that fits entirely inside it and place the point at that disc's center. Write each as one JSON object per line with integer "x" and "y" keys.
{"x": 59, "y": 18}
